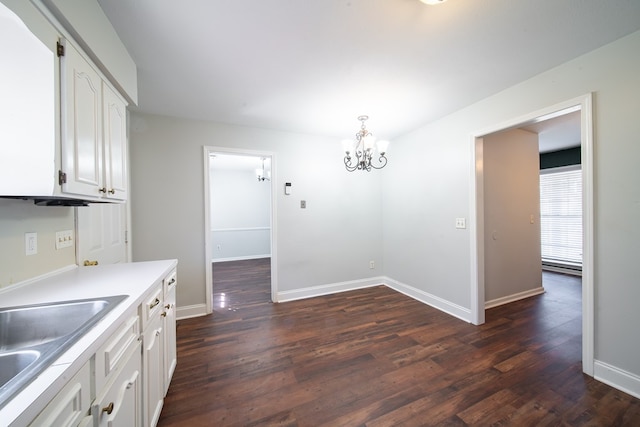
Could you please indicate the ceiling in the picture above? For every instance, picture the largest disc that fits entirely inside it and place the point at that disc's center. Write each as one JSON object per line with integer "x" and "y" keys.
{"x": 313, "y": 66}
{"x": 557, "y": 133}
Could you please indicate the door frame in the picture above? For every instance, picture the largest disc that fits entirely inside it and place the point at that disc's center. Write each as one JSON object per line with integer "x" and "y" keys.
{"x": 208, "y": 250}
{"x": 585, "y": 105}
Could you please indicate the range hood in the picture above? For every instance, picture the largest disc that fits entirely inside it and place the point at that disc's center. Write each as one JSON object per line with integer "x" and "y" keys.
{"x": 52, "y": 201}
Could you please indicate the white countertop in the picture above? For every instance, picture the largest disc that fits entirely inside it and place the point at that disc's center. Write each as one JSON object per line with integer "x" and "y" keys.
{"x": 133, "y": 279}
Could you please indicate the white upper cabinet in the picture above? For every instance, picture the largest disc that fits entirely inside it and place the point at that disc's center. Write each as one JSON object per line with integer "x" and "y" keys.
{"x": 115, "y": 144}
{"x": 94, "y": 144}
{"x": 63, "y": 124}
{"x": 27, "y": 109}
{"x": 82, "y": 125}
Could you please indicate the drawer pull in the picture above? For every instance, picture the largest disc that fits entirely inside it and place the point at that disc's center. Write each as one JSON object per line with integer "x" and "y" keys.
{"x": 154, "y": 303}
{"x": 172, "y": 281}
{"x": 168, "y": 306}
{"x": 88, "y": 263}
{"x": 163, "y": 314}
{"x": 108, "y": 409}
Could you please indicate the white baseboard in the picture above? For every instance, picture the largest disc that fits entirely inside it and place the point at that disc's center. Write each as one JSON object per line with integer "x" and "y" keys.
{"x": 332, "y": 288}
{"x": 241, "y": 258}
{"x": 617, "y": 378}
{"x": 515, "y": 297}
{"x": 429, "y": 299}
{"x": 424, "y": 297}
{"x": 188, "y": 311}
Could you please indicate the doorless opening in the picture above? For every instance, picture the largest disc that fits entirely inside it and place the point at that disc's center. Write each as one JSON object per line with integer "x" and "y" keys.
{"x": 584, "y": 105}
{"x": 240, "y": 212}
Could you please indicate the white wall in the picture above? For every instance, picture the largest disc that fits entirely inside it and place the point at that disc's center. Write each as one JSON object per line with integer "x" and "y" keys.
{"x": 240, "y": 215}
{"x": 428, "y": 184}
{"x": 512, "y": 260}
{"x": 331, "y": 241}
{"x": 18, "y": 217}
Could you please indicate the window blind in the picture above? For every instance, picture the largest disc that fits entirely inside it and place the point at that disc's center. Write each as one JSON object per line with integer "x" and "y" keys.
{"x": 561, "y": 215}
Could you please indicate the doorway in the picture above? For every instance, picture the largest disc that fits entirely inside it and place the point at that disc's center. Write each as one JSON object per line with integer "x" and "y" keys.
{"x": 478, "y": 233}
{"x": 239, "y": 219}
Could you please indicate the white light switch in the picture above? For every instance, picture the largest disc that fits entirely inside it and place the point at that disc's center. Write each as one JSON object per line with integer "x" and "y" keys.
{"x": 461, "y": 223}
{"x": 64, "y": 239}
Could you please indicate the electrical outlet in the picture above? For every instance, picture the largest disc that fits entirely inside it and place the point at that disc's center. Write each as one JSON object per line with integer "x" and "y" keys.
{"x": 461, "y": 223}
{"x": 372, "y": 264}
{"x": 303, "y": 204}
{"x": 31, "y": 243}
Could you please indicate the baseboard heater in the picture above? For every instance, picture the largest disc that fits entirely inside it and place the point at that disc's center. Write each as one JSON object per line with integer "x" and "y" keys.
{"x": 561, "y": 267}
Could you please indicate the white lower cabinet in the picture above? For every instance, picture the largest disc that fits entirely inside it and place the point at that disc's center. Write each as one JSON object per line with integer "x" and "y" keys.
{"x": 118, "y": 378}
{"x": 70, "y": 405}
{"x": 169, "y": 315}
{"x": 125, "y": 381}
{"x": 153, "y": 367}
{"x": 121, "y": 403}
{"x": 158, "y": 315}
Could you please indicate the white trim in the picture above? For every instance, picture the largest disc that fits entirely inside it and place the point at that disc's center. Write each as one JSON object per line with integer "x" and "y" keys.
{"x": 37, "y": 278}
{"x": 241, "y": 229}
{"x": 514, "y": 297}
{"x": 331, "y": 288}
{"x": 429, "y": 299}
{"x": 241, "y": 258}
{"x": 617, "y": 378}
{"x": 584, "y": 105}
{"x": 207, "y": 152}
{"x": 189, "y": 311}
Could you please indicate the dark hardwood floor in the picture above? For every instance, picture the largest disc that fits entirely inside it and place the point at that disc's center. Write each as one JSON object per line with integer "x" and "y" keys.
{"x": 374, "y": 357}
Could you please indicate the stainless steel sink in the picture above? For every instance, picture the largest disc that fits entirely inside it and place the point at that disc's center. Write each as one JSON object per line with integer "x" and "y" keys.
{"x": 31, "y": 337}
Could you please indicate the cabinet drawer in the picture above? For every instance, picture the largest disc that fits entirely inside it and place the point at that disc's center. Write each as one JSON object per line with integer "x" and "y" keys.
{"x": 152, "y": 306}
{"x": 111, "y": 356}
{"x": 71, "y": 404}
{"x": 170, "y": 282}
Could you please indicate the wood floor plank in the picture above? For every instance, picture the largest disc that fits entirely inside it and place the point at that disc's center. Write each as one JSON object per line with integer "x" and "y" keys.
{"x": 374, "y": 357}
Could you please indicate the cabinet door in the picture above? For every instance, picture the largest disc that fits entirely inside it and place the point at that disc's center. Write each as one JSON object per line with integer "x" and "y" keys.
{"x": 82, "y": 125}
{"x": 115, "y": 144}
{"x": 153, "y": 366}
{"x": 70, "y": 405}
{"x": 120, "y": 404}
{"x": 170, "y": 358}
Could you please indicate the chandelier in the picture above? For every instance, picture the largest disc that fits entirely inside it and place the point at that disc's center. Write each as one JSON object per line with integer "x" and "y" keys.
{"x": 262, "y": 174}
{"x": 363, "y": 148}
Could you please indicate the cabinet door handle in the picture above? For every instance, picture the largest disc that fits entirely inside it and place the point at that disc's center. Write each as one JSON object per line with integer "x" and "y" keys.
{"x": 154, "y": 303}
{"x": 168, "y": 306}
{"x": 172, "y": 281}
{"x": 108, "y": 409}
{"x": 112, "y": 191}
{"x": 163, "y": 314}
{"x": 102, "y": 190}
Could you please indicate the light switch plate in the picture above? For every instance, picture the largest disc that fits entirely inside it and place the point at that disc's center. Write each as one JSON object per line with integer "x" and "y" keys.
{"x": 64, "y": 239}
{"x": 461, "y": 223}
{"x": 30, "y": 243}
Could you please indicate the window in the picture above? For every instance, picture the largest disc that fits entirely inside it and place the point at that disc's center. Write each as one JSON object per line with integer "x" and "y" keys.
{"x": 561, "y": 215}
